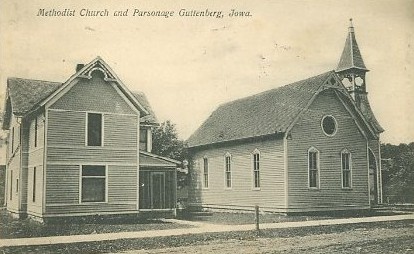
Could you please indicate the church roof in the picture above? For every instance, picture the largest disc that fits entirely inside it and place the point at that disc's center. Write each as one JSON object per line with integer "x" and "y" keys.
{"x": 262, "y": 114}
{"x": 351, "y": 56}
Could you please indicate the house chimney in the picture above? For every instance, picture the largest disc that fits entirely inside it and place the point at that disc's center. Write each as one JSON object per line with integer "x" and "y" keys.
{"x": 79, "y": 67}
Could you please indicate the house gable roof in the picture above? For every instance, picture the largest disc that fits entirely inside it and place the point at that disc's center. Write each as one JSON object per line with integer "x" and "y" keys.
{"x": 150, "y": 119}
{"x": 26, "y": 95}
{"x": 98, "y": 64}
{"x": 270, "y": 112}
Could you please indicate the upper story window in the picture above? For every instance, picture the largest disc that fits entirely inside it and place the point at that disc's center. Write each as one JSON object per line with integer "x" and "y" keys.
{"x": 346, "y": 164}
{"x": 94, "y": 132}
{"x": 35, "y": 132}
{"x": 12, "y": 140}
{"x": 329, "y": 125}
{"x": 227, "y": 172}
{"x": 205, "y": 172}
{"x": 313, "y": 167}
{"x": 256, "y": 169}
{"x": 143, "y": 139}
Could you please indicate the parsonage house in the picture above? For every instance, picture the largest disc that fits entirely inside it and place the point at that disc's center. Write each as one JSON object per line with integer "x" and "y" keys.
{"x": 313, "y": 145}
{"x": 83, "y": 147}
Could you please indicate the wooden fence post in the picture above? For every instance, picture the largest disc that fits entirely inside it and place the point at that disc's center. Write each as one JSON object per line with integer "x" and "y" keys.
{"x": 256, "y": 216}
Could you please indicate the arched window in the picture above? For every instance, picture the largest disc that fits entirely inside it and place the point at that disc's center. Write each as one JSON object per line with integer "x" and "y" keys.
{"x": 313, "y": 168}
{"x": 256, "y": 169}
{"x": 346, "y": 169}
{"x": 227, "y": 170}
{"x": 205, "y": 172}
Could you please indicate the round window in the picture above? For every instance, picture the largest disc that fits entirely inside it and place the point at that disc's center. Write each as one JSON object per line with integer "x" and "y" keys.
{"x": 329, "y": 125}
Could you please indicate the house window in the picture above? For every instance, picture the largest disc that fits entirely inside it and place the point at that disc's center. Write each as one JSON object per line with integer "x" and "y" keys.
{"x": 11, "y": 184}
{"x": 205, "y": 172}
{"x": 228, "y": 170}
{"x": 313, "y": 167}
{"x": 12, "y": 140}
{"x": 346, "y": 169}
{"x": 256, "y": 169}
{"x": 35, "y": 132}
{"x": 17, "y": 185}
{"x": 93, "y": 183}
{"x": 329, "y": 125}
{"x": 34, "y": 185}
{"x": 94, "y": 129}
{"x": 143, "y": 136}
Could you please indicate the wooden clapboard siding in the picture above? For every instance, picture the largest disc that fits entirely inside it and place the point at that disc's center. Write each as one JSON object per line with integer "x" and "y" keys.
{"x": 122, "y": 184}
{"x": 66, "y": 138}
{"x": 90, "y": 209}
{"x": 14, "y": 169}
{"x": 35, "y": 207}
{"x": 374, "y": 146}
{"x": 120, "y": 131}
{"x": 308, "y": 133}
{"x": 62, "y": 190}
{"x": 35, "y": 159}
{"x": 241, "y": 195}
{"x": 62, "y": 184}
{"x": 93, "y": 94}
{"x": 67, "y": 150}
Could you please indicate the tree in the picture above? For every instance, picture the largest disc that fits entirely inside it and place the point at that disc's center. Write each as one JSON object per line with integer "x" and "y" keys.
{"x": 165, "y": 142}
{"x": 398, "y": 172}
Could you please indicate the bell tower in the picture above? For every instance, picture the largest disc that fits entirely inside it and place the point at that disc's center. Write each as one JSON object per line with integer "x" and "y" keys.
{"x": 352, "y": 71}
{"x": 351, "y": 67}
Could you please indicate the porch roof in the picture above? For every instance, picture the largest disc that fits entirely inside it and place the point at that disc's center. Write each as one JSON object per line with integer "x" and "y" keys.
{"x": 152, "y": 160}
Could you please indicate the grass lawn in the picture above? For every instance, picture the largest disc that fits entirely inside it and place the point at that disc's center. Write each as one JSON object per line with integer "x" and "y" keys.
{"x": 249, "y": 218}
{"x": 247, "y": 236}
{"x": 14, "y": 228}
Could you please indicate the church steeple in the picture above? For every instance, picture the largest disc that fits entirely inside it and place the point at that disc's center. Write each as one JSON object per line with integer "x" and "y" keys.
{"x": 351, "y": 56}
{"x": 351, "y": 70}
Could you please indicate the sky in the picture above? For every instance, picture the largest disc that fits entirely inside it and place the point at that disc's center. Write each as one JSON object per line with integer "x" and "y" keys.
{"x": 187, "y": 66}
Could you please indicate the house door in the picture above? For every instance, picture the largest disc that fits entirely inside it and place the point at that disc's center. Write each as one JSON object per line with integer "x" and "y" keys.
{"x": 157, "y": 190}
{"x": 373, "y": 184}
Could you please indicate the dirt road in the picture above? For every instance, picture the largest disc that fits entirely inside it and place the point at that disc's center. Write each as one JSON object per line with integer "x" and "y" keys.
{"x": 360, "y": 240}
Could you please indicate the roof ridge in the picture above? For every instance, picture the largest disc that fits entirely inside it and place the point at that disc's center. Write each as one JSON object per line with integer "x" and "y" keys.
{"x": 39, "y": 80}
{"x": 274, "y": 89}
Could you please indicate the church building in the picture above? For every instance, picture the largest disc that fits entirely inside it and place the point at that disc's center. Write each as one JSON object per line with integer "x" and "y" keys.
{"x": 313, "y": 145}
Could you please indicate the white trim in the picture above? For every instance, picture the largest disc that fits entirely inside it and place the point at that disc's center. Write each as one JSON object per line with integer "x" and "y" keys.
{"x": 114, "y": 148}
{"x": 228, "y": 155}
{"x": 335, "y": 123}
{"x": 286, "y": 176}
{"x": 354, "y": 117}
{"x": 369, "y": 180}
{"x": 137, "y": 165}
{"x": 313, "y": 149}
{"x": 69, "y": 84}
{"x": 87, "y": 128}
{"x": 91, "y": 111}
{"x": 346, "y": 151}
{"x": 44, "y": 165}
{"x": 88, "y": 203}
{"x": 76, "y": 163}
{"x": 380, "y": 200}
{"x": 253, "y": 172}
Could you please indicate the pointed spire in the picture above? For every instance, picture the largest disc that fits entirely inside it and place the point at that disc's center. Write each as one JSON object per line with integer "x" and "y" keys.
{"x": 351, "y": 56}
